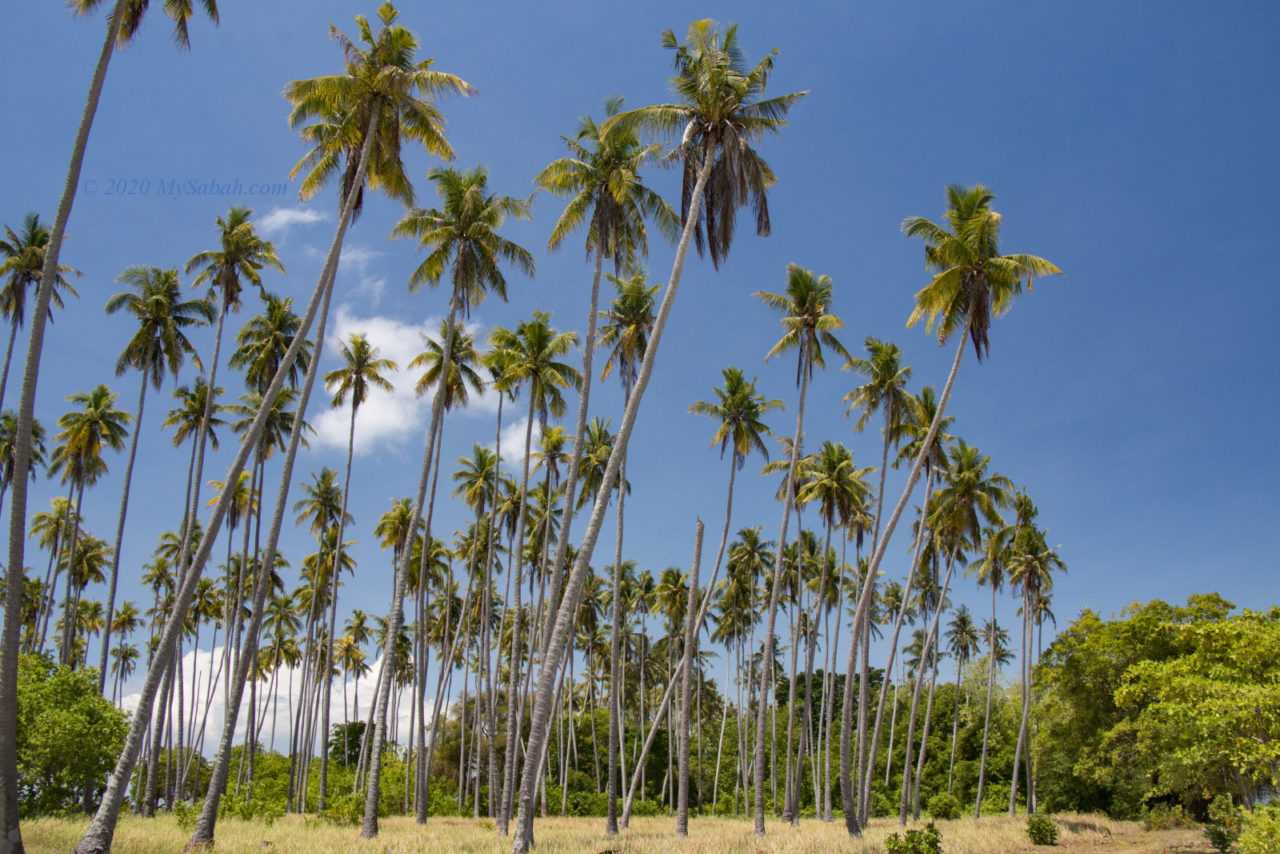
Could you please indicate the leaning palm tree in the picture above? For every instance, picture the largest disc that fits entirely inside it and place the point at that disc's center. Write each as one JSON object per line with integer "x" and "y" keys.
{"x": 122, "y": 25}
{"x": 358, "y": 119}
{"x": 21, "y": 260}
{"x": 809, "y": 325}
{"x": 361, "y": 371}
{"x": 973, "y": 284}
{"x": 463, "y": 241}
{"x": 721, "y": 112}
{"x": 85, "y": 433}
{"x": 629, "y": 323}
{"x": 160, "y": 345}
{"x": 601, "y": 179}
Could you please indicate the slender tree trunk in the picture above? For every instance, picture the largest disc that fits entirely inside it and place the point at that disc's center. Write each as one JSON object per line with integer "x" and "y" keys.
{"x": 955, "y": 726}
{"x": 124, "y": 506}
{"x": 8, "y": 357}
{"x": 986, "y": 726}
{"x": 523, "y": 838}
{"x": 766, "y": 669}
{"x": 10, "y": 834}
{"x": 690, "y": 639}
{"x": 1022, "y": 727}
{"x": 615, "y": 669}
{"x": 924, "y": 742}
{"x": 370, "y": 826}
{"x": 878, "y": 556}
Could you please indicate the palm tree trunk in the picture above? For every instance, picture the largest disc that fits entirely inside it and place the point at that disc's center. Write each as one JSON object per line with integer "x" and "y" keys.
{"x": 986, "y": 726}
{"x": 559, "y": 638}
{"x": 124, "y": 506}
{"x": 515, "y": 668}
{"x": 615, "y": 669}
{"x": 370, "y": 825}
{"x": 1026, "y": 709}
{"x": 690, "y": 638}
{"x": 66, "y": 655}
{"x": 808, "y": 682}
{"x": 766, "y": 669}
{"x": 486, "y": 641}
{"x": 878, "y": 555}
{"x": 8, "y": 357}
{"x": 10, "y": 834}
{"x": 955, "y": 726}
{"x": 333, "y": 617}
{"x": 924, "y": 741}
{"x": 888, "y": 668}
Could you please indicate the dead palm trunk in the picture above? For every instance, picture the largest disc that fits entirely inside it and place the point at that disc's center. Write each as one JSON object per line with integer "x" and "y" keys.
{"x": 523, "y": 838}
{"x": 690, "y": 638}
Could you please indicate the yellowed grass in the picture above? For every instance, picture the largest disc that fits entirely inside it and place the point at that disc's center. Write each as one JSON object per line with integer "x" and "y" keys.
{"x": 295, "y": 835}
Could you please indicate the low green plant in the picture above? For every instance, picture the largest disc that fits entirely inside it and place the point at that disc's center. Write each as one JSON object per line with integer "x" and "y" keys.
{"x": 943, "y": 806}
{"x": 1042, "y": 830}
{"x": 1164, "y": 817}
{"x": 345, "y": 809}
{"x": 1219, "y": 837}
{"x": 1260, "y": 832}
{"x": 186, "y": 814}
{"x": 925, "y": 840}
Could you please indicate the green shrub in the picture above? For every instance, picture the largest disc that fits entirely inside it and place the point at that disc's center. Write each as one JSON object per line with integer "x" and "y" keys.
{"x": 345, "y": 809}
{"x": 926, "y": 840}
{"x": 1164, "y": 817}
{"x": 651, "y": 808}
{"x": 1260, "y": 831}
{"x": 1042, "y": 830}
{"x": 943, "y": 807}
{"x": 186, "y": 814}
{"x": 1219, "y": 837}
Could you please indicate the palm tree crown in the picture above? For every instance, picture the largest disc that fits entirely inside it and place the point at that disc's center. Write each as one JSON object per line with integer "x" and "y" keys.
{"x": 806, "y": 319}
{"x": 162, "y": 314}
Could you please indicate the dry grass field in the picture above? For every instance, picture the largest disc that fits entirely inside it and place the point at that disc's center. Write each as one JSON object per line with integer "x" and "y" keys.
{"x": 294, "y": 835}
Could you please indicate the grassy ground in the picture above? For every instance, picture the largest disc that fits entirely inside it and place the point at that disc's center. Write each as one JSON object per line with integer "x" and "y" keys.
{"x": 294, "y": 835}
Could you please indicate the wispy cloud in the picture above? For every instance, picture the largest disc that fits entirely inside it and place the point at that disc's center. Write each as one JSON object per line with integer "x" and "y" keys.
{"x": 278, "y": 221}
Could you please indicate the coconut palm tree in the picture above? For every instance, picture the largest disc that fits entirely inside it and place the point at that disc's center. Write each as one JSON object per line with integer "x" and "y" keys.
{"x": 809, "y": 325}
{"x": 720, "y": 114}
{"x": 462, "y": 239}
{"x": 85, "y": 433}
{"x": 601, "y": 179}
{"x": 160, "y": 345}
{"x": 361, "y": 371}
{"x": 357, "y": 122}
{"x": 122, "y": 24}
{"x": 962, "y": 644}
{"x": 9, "y": 446}
{"x": 629, "y": 323}
{"x": 21, "y": 260}
{"x": 531, "y": 360}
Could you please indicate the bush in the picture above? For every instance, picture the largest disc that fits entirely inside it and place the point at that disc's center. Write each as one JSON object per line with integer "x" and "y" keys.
{"x": 1042, "y": 830}
{"x": 1260, "y": 831}
{"x": 926, "y": 840}
{"x": 1164, "y": 817}
{"x": 345, "y": 809}
{"x": 1219, "y": 837}
{"x": 943, "y": 807}
{"x": 186, "y": 814}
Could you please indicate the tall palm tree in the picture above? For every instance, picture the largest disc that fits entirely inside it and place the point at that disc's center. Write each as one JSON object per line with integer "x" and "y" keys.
{"x": 21, "y": 260}
{"x": 721, "y": 113}
{"x": 358, "y": 120}
{"x": 463, "y": 241}
{"x": 85, "y": 433}
{"x": 122, "y": 24}
{"x": 629, "y": 323}
{"x": 809, "y": 325}
{"x": 361, "y": 371}
{"x": 531, "y": 360}
{"x": 160, "y": 345}
{"x": 601, "y": 179}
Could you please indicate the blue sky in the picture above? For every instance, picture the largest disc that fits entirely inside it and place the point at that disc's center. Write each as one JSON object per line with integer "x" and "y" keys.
{"x": 1132, "y": 144}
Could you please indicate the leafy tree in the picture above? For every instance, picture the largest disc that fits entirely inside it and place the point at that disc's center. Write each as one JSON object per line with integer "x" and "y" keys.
{"x": 68, "y": 735}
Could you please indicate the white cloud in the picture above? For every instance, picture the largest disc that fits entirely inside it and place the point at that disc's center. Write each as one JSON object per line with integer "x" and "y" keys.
{"x": 389, "y": 418}
{"x": 511, "y": 442}
{"x": 279, "y": 220}
{"x": 276, "y": 701}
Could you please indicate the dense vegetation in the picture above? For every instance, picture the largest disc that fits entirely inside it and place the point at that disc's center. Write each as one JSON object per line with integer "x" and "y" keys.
{"x": 535, "y": 676}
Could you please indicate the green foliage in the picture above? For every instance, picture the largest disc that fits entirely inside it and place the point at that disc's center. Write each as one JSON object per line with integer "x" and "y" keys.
{"x": 1261, "y": 831}
{"x": 186, "y": 814}
{"x": 68, "y": 735}
{"x": 1224, "y": 813}
{"x": 1164, "y": 817}
{"x": 254, "y": 803}
{"x": 1041, "y": 829}
{"x": 925, "y": 840}
{"x": 943, "y": 807}
{"x": 1219, "y": 837}
{"x": 345, "y": 809}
